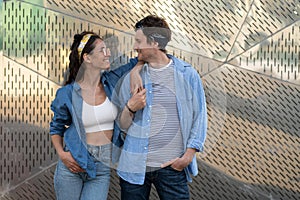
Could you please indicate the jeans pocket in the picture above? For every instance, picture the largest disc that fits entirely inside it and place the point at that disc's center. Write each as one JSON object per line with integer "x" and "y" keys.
{"x": 105, "y": 155}
{"x": 173, "y": 169}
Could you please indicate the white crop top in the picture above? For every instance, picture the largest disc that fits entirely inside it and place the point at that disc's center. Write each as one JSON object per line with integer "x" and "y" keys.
{"x": 100, "y": 117}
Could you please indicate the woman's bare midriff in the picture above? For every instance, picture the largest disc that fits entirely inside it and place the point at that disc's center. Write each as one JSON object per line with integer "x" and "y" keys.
{"x": 99, "y": 138}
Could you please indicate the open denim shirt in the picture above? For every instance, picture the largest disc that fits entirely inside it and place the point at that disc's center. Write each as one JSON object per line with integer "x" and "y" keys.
{"x": 191, "y": 105}
{"x": 67, "y": 119}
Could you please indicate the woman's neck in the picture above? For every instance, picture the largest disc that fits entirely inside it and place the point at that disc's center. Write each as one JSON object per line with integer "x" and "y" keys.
{"x": 90, "y": 80}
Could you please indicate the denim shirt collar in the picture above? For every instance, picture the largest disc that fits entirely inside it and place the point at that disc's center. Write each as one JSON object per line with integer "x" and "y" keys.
{"x": 76, "y": 86}
{"x": 179, "y": 65}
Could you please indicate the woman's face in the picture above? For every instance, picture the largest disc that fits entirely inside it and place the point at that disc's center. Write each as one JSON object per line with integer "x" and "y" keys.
{"x": 99, "y": 57}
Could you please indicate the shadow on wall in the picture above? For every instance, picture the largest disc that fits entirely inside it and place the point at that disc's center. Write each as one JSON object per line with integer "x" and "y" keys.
{"x": 25, "y": 150}
{"x": 212, "y": 184}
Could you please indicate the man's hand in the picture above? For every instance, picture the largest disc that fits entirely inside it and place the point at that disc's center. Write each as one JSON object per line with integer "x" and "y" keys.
{"x": 180, "y": 163}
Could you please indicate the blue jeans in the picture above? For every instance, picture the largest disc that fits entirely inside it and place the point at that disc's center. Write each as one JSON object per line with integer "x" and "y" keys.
{"x": 169, "y": 183}
{"x": 79, "y": 186}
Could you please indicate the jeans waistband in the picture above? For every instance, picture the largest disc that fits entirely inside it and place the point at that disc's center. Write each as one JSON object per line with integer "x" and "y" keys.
{"x": 98, "y": 150}
{"x": 101, "y": 153}
{"x": 152, "y": 169}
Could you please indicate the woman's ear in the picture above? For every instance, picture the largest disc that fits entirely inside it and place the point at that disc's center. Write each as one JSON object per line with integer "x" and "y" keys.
{"x": 86, "y": 57}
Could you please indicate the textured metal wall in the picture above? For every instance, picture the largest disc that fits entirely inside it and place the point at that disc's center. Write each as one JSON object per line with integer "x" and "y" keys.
{"x": 247, "y": 53}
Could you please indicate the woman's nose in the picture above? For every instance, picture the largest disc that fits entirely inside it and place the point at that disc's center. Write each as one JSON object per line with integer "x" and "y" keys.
{"x": 107, "y": 52}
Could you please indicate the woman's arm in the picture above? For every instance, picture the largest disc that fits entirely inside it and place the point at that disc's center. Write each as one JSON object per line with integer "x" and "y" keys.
{"x": 60, "y": 120}
{"x": 135, "y": 103}
{"x": 112, "y": 80}
{"x": 136, "y": 82}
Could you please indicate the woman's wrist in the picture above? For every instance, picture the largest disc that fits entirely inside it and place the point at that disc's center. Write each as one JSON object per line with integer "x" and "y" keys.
{"x": 129, "y": 109}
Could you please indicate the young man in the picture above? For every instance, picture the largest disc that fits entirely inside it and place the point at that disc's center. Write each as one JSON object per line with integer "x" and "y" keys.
{"x": 165, "y": 124}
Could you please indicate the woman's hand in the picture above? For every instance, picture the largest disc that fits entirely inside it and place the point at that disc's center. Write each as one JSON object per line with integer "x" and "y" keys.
{"x": 136, "y": 82}
{"x": 66, "y": 157}
{"x": 70, "y": 162}
{"x": 135, "y": 103}
{"x": 138, "y": 100}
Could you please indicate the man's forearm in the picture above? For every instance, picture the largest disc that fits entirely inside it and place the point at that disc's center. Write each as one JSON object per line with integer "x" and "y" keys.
{"x": 189, "y": 154}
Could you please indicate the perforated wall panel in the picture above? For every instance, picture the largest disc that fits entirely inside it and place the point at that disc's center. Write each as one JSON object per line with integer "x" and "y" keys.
{"x": 246, "y": 52}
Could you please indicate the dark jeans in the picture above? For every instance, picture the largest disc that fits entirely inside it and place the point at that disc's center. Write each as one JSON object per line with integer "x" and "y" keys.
{"x": 169, "y": 183}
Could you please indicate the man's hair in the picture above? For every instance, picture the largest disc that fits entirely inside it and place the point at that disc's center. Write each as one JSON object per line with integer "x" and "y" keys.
{"x": 155, "y": 29}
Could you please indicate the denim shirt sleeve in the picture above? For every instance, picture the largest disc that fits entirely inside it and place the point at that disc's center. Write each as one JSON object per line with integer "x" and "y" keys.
{"x": 62, "y": 117}
{"x": 199, "y": 124}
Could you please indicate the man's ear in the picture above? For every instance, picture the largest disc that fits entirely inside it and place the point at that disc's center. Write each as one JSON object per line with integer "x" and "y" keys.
{"x": 155, "y": 44}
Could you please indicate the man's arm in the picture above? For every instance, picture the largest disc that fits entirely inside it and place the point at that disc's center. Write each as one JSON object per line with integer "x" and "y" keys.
{"x": 197, "y": 134}
{"x": 199, "y": 126}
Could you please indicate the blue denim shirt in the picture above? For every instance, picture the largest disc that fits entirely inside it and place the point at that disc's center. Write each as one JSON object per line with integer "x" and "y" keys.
{"x": 191, "y": 105}
{"x": 67, "y": 119}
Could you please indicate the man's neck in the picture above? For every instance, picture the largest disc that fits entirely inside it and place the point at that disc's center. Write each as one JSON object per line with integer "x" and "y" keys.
{"x": 161, "y": 60}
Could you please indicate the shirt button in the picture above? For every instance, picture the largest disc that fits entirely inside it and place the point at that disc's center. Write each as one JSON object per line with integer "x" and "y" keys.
{"x": 150, "y": 91}
{"x": 150, "y": 106}
{"x": 145, "y": 147}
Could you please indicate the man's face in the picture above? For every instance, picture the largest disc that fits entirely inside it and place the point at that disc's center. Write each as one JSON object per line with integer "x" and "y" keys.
{"x": 144, "y": 49}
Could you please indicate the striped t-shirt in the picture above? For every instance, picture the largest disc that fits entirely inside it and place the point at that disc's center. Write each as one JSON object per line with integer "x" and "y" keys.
{"x": 165, "y": 142}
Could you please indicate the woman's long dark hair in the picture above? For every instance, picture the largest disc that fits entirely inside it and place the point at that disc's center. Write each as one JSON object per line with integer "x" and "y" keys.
{"x": 75, "y": 61}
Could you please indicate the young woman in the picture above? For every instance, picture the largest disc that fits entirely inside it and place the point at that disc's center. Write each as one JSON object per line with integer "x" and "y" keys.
{"x": 83, "y": 122}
